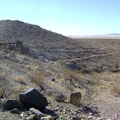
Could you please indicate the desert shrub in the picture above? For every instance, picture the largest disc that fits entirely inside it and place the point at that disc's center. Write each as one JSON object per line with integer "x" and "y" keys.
{"x": 60, "y": 97}
{"x": 3, "y": 83}
{"x": 13, "y": 91}
{"x": 49, "y": 93}
{"x": 57, "y": 96}
{"x": 67, "y": 72}
{"x": 115, "y": 90}
{"x": 1, "y": 92}
{"x": 37, "y": 78}
{"x": 93, "y": 91}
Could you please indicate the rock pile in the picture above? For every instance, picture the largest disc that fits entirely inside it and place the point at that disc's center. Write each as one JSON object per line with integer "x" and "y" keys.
{"x": 30, "y": 99}
{"x": 32, "y": 105}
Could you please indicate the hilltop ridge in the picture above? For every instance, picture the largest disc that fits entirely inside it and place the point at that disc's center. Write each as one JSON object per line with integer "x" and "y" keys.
{"x": 16, "y": 30}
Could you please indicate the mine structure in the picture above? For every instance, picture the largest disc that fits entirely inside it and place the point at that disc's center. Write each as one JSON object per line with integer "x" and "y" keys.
{"x": 18, "y": 45}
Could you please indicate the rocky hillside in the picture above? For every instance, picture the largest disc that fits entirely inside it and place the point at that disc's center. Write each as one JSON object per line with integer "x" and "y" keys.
{"x": 32, "y": 35}
{"x": 39, "y": 40}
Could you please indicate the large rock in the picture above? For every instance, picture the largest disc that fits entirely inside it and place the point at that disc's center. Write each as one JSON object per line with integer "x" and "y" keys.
{"x": 11, "y": 104}
{"x": 32, "y": 98}
{"x": 75, "y": 98}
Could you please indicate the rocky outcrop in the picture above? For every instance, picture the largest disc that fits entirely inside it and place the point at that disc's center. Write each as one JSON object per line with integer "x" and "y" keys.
{"x": 32, "y": 98}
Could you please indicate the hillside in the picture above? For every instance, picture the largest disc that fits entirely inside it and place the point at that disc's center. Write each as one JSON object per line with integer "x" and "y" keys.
{"x": 47, "y": 45}
{"x": 32, "y": 35}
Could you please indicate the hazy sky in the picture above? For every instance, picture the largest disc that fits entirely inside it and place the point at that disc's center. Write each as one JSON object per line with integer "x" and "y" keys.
{"x": 67, "y": 17}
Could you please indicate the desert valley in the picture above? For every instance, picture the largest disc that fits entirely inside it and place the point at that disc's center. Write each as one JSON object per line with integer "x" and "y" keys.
{"x": 48, "y": 76}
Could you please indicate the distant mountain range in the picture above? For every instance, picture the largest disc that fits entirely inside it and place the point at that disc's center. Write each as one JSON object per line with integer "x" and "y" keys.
{"x": 92, "y": 36}
{"x": 114, "y": 34}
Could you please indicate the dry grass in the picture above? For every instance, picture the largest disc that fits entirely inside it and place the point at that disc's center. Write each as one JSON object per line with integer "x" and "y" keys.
{"x": 93, "y": 91}
{"x": 67, "y": 72}
{"x": 38, "y": 77}
{"x": 16, "y": 90}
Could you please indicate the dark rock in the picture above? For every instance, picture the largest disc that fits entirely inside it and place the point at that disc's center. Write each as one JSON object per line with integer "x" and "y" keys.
{"x": 53, "y": 79}
{"x": 115, "y": 70}
{"x": 11, "y": 104}
{"x": 15, "y": 111}
{"x": 92, "y": 110}
{"x": 32, "y": 98}
{"x": 76, "y": 118}
{"x": 86, "y": 109}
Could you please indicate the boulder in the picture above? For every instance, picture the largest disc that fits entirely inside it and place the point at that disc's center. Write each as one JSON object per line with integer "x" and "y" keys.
{"x": 75, "y": 98}
{"x": 11, "y": 104}
{"x": 32, "y": 98}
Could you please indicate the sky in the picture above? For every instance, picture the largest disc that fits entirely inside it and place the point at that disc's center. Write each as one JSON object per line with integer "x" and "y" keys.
{"x": 67, "y": 17}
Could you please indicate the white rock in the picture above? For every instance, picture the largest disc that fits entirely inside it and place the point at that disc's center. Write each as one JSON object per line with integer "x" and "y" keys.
{"x": 32, "y": 117}
{"x": 90, "y": 117}
{"x": 37, "y": 112}
{"x": 22, "y": 115}
{"x": 47, "y": 118}
{"x": 100, "y": 118}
